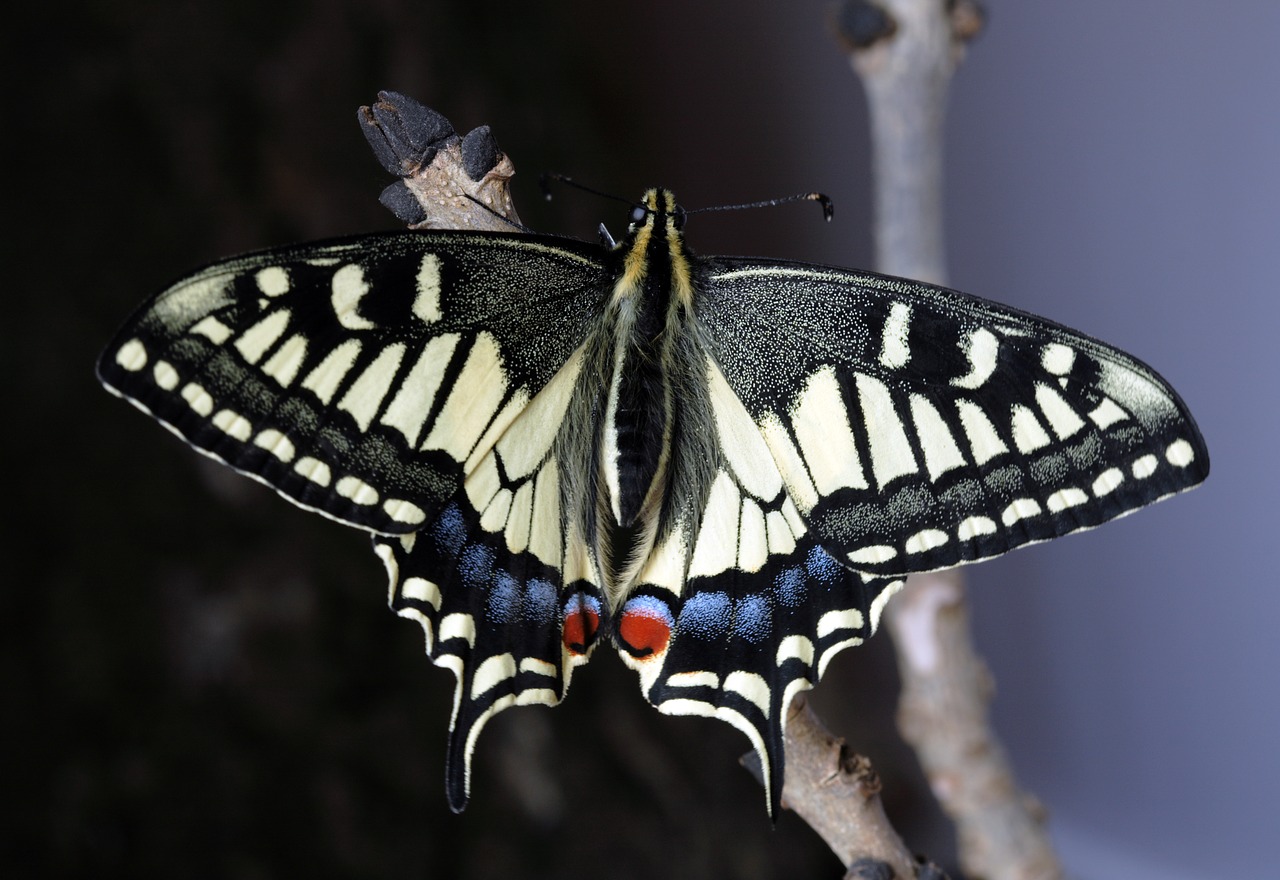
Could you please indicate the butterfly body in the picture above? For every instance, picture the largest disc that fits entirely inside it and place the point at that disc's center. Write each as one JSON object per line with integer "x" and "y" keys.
{"x": 723, "y": 466}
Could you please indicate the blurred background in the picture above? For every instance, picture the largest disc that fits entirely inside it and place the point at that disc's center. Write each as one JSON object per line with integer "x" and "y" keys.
{"x": 202, "y": 680}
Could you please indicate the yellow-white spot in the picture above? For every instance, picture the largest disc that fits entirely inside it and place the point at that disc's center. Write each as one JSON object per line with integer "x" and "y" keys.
{"x": 283, "y": 366}
{"x": 1057, "y": 358}
{"x": 421, "y": 590}
{"x": 403, "y": 511}
{"x": 520, "y": 518}
{"x": 787, "y": 458}
{"x": 666, "y": 563}
{"x": 751, "y": 686}
{"x": 891, "y": 455}
{"x": 1180, "y": 453}
{"x": 834, "y": 621}
{"x": 820, "y": 422}
{"x": 984, "y": 442}
{"x": 349, "y": 287}
{"x": 272, "y": 281}
{"x": 494, "y": 518}
{"x": 314, "y": 470}
{"x": 1107, "y": 413}
{"x": 1145, "y": 466}
{"x": 166, "y": 376}
{"x": 797, "y": 647}
{"x": 132, "y": 356}
{"x": 894, "y": 351}
{"x": 974, "y": 526}
{"x": 197, "y": 398}
{"x": 882, "y": 599}
{"x": 492, "y": 672}
{"x": 233, "y": 425}
{"x": 545, "y": 536}
{"x": 527, "y": 442}
{"x": 740, "y": 440}
{"x": 325, "y": 378}
{"x": 212, "y": 329}
{"x": 872, "y": 554}
{"x": 981, "y": 349}
{"x": 1062, "y": 418}
{"x": 473, "y": 401}
{"x": 1023, "y": 508}
{"x": 941, "y": 454}
{"x": 483, "y": 483}
{"x": 926, "y": 540}
{"x": 357, "y": 491}
{"x": 458, "y": 626}
{"x": 1028, "y": 434}
{"x": 536, "y": 666}
{"x": 426, "y": 299}
{"x": 1064, "y": 498}
{"x": 366, "y": 393}
{"x": 277, "y": 444}
{"x": 409, "y": 409}
{"x": 781, "y": 541}
{"x": 694, "y": 679}
{"x": 1107, "y": 481}
{"x": 753, "y": 540}
{"x": 255, "y": 341}
{"x": 717, "y": 545}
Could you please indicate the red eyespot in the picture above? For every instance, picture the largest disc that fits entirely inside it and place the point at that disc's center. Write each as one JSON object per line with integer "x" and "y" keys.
{"x": 581, "y": 623}
{"x": 645, "y": 626}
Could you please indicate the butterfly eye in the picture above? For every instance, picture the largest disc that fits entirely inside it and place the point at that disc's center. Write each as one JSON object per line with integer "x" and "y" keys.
{"x": 678, "y": 216}
{"x": 638, "y": 213}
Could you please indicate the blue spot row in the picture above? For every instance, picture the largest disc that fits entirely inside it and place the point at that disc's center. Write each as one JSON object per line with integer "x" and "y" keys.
{"x": 712, "y": 616}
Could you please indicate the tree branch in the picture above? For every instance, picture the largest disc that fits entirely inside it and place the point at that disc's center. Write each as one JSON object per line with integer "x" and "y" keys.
{"x": 905, "y": 51}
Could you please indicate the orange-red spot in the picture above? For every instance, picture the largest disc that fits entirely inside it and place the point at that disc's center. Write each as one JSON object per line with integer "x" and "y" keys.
{"x": 644, "y": 632}
{"x": 580, "y": 626}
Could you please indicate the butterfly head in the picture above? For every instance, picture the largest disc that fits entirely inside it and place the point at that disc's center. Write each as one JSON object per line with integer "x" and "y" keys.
{"x": 657, "y": 210}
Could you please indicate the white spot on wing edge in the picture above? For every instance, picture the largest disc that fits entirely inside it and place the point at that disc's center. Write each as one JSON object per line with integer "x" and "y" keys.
{"x": 233, "y": 425}
{"x": 872, "y": 554}
{"x": 403, "y": 511}
{"x": 926, "y": 540}
{"x": 421, "y": 590}
{"x": 1022, "y": 508}
{"x": 197, "y": 398}
{"x": 132, "y": 356}
{"x": 1180, "y": 453}
{"x": 1107, "y": 481}
{"x": 357, "y": 491}
{"x": 700, "y": 678}
{"x": 974, "y": 526}
{"x": 1145, "y": 466}
{"x": 314, "y": 470}
{"x": 165, "y": 375}
{"x": 277, "y": 444}
{"x": 1065, "y": 498}
{"x": 795, "y": 647}
{"x": 843, "y": 618}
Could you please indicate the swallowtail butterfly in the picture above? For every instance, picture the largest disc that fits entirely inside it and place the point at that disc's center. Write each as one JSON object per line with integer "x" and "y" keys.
{"x": 722, "y": 466}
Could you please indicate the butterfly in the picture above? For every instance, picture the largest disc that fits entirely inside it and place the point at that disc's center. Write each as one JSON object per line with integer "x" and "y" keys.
{"x": 723, "y": 467}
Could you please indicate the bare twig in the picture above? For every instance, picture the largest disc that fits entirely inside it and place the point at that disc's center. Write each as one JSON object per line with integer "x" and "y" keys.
{"x": 905, "y": 52}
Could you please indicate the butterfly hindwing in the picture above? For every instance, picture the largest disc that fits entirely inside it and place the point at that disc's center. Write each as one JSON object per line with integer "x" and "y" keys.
{"x": 918, "y": 428}
{"x": 358, "y": 377}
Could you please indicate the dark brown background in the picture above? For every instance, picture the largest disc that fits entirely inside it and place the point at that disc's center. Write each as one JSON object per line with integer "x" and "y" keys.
{"x": 201, "y": 680}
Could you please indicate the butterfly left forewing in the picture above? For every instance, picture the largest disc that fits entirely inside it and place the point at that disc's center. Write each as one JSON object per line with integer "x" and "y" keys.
{"x": 358, "y": 377}
{"x": 917, "y": 427}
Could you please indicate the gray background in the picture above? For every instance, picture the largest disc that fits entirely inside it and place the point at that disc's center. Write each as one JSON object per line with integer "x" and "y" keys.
{"x": 202, "y": 679}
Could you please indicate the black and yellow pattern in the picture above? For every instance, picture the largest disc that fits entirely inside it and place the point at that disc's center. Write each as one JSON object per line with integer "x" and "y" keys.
{"x": 723, "y": 466}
